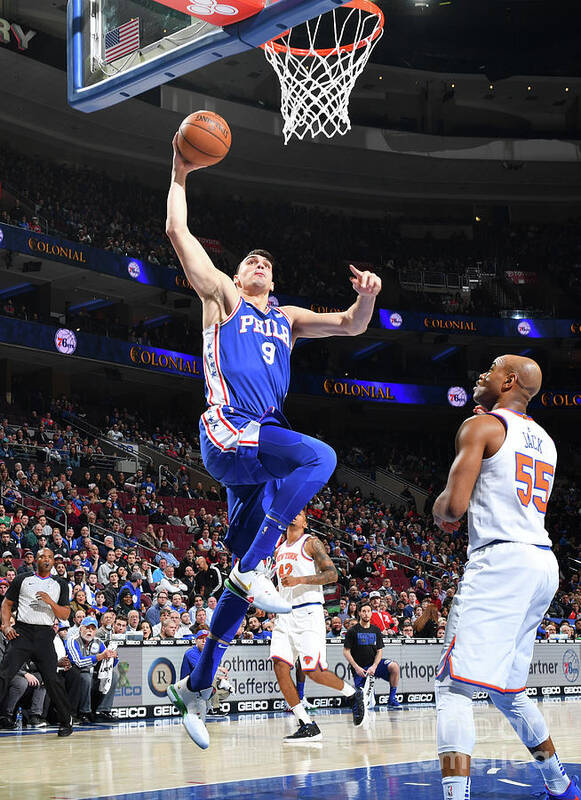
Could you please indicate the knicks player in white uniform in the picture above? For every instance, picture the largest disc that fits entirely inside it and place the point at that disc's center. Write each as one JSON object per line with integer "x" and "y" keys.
{"x": 502, "y": 475}
{"x": 303, "y": 568}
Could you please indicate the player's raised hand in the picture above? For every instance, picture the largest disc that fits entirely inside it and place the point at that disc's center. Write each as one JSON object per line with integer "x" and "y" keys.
{"x": 179, "y": 162}
{"x": 365, "y": 283}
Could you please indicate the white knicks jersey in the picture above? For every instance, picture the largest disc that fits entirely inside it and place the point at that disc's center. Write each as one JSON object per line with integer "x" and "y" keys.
{"x": 511, "y": 493}
{"x": 292, "y": 560}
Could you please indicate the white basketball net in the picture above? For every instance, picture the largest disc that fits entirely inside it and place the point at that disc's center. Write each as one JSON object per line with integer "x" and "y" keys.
{"x": 316, "y": 84}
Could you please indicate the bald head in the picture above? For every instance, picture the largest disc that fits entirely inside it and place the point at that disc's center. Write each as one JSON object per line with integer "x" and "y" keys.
{"x": 528, "y": 373}
{"x": 510, "y": 381}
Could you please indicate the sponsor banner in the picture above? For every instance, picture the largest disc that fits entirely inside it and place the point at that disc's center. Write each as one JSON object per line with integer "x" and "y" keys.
{"x": 100, "y": 348}
{"x": 148, "y": 669}
{"x": 393, "y": 320}
{"x": 40, "y": 246}
{"x": 378, "y": 391}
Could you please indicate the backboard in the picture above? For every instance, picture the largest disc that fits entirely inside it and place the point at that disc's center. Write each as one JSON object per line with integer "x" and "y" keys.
{"x": 117, "y": 49}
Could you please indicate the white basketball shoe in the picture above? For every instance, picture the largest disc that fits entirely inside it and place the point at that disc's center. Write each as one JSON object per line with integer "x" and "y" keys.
{"x": 259, "y": 589}
{"x": 193, "y": 707}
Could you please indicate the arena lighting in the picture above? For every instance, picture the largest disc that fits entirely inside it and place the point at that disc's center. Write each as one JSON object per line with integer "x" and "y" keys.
{"x": 18, "y": 288}
{"x": 155, "y": 322}
{"x": 365, "y": 352}
{"x": 444, "y": 354}
{"x": 526, "y": 352}
{"x": 91, "y": 305}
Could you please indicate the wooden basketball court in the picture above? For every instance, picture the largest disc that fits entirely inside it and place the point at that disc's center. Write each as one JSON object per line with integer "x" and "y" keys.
{"x": 392, "y": 755}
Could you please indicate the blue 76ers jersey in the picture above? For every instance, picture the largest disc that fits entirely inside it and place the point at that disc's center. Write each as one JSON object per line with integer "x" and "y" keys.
{"x": 247, "y": 360}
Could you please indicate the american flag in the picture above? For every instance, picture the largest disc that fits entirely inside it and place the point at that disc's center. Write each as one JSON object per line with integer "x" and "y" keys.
{"x": 122, "y": 40}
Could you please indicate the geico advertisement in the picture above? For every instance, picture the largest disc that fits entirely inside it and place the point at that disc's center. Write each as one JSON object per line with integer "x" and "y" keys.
{"x": 146, "y": 671}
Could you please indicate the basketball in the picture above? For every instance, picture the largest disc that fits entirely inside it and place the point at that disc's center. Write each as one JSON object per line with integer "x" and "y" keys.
{"x": 204, "y": 138}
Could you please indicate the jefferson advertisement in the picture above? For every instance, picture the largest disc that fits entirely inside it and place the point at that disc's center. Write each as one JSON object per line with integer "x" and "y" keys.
{"x": 148, "y": 669}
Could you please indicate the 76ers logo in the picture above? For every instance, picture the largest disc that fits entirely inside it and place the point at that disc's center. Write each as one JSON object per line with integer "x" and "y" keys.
{"x": 65, "y": 341}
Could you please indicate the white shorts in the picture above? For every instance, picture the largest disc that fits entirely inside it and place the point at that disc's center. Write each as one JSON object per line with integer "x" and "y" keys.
{"x": 301, "y": 634}
{"x": 503, "y": 596}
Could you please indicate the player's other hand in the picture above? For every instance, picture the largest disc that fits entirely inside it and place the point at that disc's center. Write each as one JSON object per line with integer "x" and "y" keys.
{"x": 447, "y": 527}
{"x": 180, "y": 165}
{"x": 370, "y": 670}
{"x": 365, "y": 283}
{"x": 360, "y": 671}
{"x": 9, "y": 632}
{"x": 477, "y": 410}
{"x": 289, "y": 580}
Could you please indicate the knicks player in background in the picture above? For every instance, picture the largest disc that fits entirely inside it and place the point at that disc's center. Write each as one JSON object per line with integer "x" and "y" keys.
{"x": 303, "y": 568}
{"x": 502, "y": 475}
{"x": 270, "y": 471}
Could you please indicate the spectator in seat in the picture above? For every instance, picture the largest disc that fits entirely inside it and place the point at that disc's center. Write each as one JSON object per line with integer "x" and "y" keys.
{"x": 159, "y": 572}
{"x": 208, "y": 580}
{"x": 336, "y": 630}
{"x": 164, "y": 552}
{"x": 125, "y": 603}
{"x": 120, "y": 627}
{"x": 7, "y": 544}
{"x": 407, "y": 631}
{"x": 133, "y": 620}
{"x": 364, "y": 567}
{"x": 343, "y": 613}
{"x": 189, "y": 560}
{"x": 427, "y": 623}
{"x": 86, "y": 652}
{"x": 152, "y": 615}
{"x": 146, "y": 629}
{"x": 27, "y": 566}
{"x": 112, "y": 589}
{"x": 6, "y": 563}
{"x": 134, "y": 587}
{"x": 170, "y": 583}
{"x": 380, "y": 616}
{"x": 168, "y": 628}
{"x": 163, "y": 615}
{"x": 213, "y": 602}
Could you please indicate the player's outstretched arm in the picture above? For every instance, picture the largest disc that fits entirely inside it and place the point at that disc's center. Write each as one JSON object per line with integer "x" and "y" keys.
{"x": 209, "y": 283}
{"x": 352, "y": 322}
{"x": 474, "y": 437}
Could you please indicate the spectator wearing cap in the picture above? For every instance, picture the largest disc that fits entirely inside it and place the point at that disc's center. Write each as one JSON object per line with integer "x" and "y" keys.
{"x": 134, "y": 586}
{"x": 6, "y": 563}
{"x": 28, "y": 566}
{"x": 86, "y": 652}
{"x": 380, "y": 616}
{"x": 7, "y": 543}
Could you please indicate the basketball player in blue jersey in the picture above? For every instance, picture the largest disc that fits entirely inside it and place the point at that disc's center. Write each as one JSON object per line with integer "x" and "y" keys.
{"x": 502, "y": 475}
{"x": 270, "y": 471}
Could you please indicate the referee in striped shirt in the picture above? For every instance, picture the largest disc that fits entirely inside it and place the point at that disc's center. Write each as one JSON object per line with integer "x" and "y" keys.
{"x": 39, "y": 598}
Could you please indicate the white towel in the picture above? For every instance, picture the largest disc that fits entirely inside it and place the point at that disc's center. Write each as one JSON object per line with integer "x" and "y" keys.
{"x": 106, "y": 670}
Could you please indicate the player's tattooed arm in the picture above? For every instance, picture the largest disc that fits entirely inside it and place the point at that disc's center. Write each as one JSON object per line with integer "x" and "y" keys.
{"x": 326, "y": 572}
